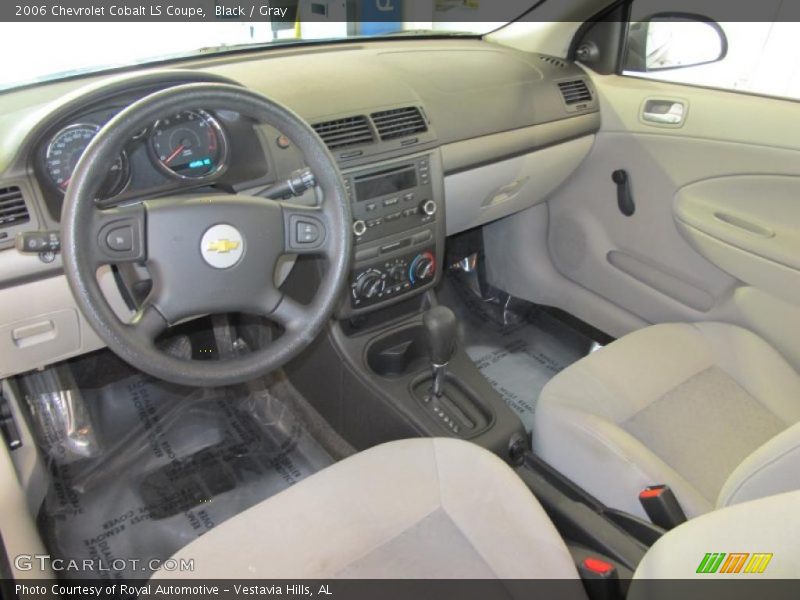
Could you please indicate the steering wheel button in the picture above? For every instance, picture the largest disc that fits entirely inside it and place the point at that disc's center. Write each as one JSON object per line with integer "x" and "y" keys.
{"x": 120, "y": 239}
{"x": 307, "y": 233}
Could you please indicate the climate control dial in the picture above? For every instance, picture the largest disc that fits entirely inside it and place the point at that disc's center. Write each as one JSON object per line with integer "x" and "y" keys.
{"x": 422, "y": 268}
{"x": 397, "y": 274}
{"x": 370, "y": 284}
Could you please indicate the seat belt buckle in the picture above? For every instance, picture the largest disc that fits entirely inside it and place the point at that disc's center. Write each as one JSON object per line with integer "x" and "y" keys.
{"x": 600, "y": 578}
{"x": 662, "y": 506}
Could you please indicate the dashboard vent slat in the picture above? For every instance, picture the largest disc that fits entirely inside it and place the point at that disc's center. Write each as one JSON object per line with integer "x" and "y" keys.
{"x": 343, "y": 133}
{"x": 575, "y": 91}
{"x": 399, "y": 122}
{"x": 556, "y": 62}
{"x": 13, "y": 210}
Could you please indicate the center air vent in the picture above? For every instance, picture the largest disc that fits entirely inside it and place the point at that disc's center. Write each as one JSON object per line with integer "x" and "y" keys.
{"x": 575, "y": 92}
{"x": 399, "y": 122}
{"x": 12, "y": 207}
{"x": 343, "y": 133}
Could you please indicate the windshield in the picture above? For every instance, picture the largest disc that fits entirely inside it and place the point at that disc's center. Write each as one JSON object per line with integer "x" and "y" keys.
{"x": 97, "y": 46}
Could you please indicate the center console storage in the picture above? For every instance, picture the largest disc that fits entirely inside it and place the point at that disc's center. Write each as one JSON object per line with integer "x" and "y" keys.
{"x": 398, "y": 353}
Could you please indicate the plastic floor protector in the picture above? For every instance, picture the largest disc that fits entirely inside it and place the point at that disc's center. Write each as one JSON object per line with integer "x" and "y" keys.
{"x": 518, "y": 351}
{"x": 162, "y": 466}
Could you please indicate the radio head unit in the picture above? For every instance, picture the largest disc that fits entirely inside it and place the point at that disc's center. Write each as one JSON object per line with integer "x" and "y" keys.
{"x": 383, "y": 183}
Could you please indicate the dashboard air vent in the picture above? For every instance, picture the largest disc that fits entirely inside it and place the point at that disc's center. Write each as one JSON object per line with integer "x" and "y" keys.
{"x": 575, "y": 91}
{"x": 556, "y": 62}
{"x": 399, "y": 122}
{"x": 13, "y": 210}
{"x": 343, "y": 133}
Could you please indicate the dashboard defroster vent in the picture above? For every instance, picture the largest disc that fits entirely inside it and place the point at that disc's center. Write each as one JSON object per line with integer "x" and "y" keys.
{"x": 575, "y": 91}
{"x": 552, "y": 60}
{"x": 13, "y": 210}
{"x": 399, "y": 122}
{"x": 343, "y": 133}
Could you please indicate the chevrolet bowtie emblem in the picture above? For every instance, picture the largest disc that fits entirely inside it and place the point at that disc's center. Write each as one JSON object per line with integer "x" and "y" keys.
{"x": 223, "y": 246}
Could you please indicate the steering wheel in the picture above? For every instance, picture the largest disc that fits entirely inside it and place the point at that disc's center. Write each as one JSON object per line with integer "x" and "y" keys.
{"x": 206, "y": 253}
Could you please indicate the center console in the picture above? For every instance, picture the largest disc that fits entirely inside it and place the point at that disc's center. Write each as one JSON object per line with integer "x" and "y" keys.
{"x": 398, "y": 224}
{"x": 384, "y": 370}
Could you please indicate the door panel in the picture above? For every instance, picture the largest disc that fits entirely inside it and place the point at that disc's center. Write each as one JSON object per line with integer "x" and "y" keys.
{"x": 752, "y": 234}
{"x": 643, "y": 263}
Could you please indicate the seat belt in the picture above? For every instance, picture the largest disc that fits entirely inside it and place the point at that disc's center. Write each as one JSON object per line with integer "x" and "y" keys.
{"x": 662, "y": 506}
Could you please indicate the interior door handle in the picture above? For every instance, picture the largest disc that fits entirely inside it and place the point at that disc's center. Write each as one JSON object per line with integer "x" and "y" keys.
{"x": 664, "y": 112}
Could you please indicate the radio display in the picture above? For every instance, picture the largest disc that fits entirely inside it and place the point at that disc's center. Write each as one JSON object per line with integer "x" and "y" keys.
{"x": 387, "y": 182}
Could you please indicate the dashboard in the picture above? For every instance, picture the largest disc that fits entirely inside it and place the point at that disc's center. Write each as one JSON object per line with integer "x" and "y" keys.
{"x": 432, "y": 137}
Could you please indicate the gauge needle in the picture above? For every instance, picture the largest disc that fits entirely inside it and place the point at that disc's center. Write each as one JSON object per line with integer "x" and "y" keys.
{"x": 172, "y": 156}
{"x": 65, "y": 183}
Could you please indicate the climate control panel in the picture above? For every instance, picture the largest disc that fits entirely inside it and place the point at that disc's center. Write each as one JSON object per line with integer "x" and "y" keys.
{"x": 391, "y": 278}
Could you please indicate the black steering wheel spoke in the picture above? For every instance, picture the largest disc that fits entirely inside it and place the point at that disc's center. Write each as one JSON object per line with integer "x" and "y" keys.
{"x": 290, "y": 314}
{"x": 305, "y": 229}
{"x": 119, "y": 235}
{"x": 148, "y": 323}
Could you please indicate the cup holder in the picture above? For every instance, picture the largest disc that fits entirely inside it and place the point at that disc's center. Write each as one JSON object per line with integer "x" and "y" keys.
{"x": 399, "y": 353}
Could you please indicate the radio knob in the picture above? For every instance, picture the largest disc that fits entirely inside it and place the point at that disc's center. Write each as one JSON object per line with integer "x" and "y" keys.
{"x": 370, "y": 284}
{"x": 359, "y": 228}
{"x": 429, "y": 207}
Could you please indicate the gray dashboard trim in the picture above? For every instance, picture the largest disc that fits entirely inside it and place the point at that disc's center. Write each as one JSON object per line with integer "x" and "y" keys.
{"x": 480, "y": 151}
{"x": 17, "y": 268}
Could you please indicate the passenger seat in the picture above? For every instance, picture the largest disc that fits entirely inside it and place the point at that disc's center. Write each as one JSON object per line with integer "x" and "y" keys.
{"x": 709, "y": 409}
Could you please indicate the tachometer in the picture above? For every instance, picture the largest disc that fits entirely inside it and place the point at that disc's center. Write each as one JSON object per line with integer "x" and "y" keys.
{"x": 189, "y": 145}
{"x": 66, "y": 148}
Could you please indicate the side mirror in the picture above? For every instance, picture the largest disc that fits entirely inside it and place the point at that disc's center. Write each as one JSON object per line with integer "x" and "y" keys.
{"x": 674, "y": 41}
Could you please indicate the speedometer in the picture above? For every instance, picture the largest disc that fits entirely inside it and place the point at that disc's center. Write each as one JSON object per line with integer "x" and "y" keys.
{"x": 189, "y": 145}
{"x": 67, "y": 147}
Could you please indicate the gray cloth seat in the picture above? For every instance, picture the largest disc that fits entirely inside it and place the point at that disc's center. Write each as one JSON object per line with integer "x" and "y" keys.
{"x": 442, "y": 508}
{"x": 708, "y": 408}
{"x": 421, "y": 508}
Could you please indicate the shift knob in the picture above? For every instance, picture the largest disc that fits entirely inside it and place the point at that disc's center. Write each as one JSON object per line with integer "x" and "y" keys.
{"x": 440, "y": 325}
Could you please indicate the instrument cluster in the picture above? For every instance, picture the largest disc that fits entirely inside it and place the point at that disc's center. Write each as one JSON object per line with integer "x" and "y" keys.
{"x": 190, "y": 148}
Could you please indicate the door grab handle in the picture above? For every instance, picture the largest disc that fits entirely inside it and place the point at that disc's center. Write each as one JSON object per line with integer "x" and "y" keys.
{"x": 624, "y": 197}
{"x": 745, "y": 225}
{"x": 664, "y": 112}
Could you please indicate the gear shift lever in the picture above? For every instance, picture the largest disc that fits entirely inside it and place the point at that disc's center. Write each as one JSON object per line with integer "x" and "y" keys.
{"x": 440, "y": 325}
